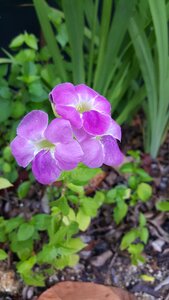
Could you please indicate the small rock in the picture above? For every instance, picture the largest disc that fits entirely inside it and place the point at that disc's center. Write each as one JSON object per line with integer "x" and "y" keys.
{"x": 98, "y": 261}
{"x": 157, "y": 245}
{"x": 8, "y": 283}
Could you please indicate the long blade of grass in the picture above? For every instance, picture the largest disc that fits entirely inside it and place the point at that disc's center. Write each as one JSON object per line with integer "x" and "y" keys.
{"x": 123, "y": 13}
{"x": 143, "y": 53}
{"x": 42, "y": 13}
{"x": 132, "y": 106}
{"x": 104, "y": 30}
{"x": 158, "y": 11}
{"x": 74, "y": 16}
{"x": 91, "y": 53}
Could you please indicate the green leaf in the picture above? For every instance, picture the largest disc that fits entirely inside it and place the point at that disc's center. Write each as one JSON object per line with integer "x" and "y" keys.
{"x": 142, "y": 220}
{"x": 63, "y": 205}
{"x": 76, "y": 188}
{"x": 25, "y": 232}
{"x": 74, "y": 244}
{"x": 144, "y": 235}
{"x": 135, "y": 249}
{"x": 41, "y": 221}
{"x": 23, "y": 189}
{"x": 133, "y": 182}
{"x": 13, "y": 223}
{"x": 145, "y": 177}
{"x": 26, "y": 266}
{"x": 144, "y": 191}
{"x": 83, "y": 220}
{"x": 162, "y": 206}
{"x": 5, "y": 110}
{"x": 129, "y": 238}
{"x": 89, "y": 206}
{"x": 120, "y": 211}
{"x": 4, "y": 183}
{"x": 23, "y": 249}
{"x": 47, "y": 254}
{"x": 127, "y": 168}
{"x": 17, "y": 41}
{"x": 31, "y": 41}
{"x": 3, "y": 254}
{"x": 82, "y": 174}
{"x": 33, "y": 279}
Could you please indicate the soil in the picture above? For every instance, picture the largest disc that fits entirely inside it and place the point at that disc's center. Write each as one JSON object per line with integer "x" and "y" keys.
{"x": 102, "y": 261}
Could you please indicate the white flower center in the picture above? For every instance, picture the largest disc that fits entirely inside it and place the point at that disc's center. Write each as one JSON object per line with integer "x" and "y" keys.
{"x": 83, "y": 107}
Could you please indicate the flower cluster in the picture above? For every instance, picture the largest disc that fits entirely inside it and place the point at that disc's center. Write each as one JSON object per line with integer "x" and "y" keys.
{"x": 84, "y": 132}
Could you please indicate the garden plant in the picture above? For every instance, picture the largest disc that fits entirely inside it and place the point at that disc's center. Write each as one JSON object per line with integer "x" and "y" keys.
{"x": 84, "y": 148}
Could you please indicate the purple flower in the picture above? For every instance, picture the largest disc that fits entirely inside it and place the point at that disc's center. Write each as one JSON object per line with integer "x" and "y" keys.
{"x": 50, "y": 148}
{"x": 82, "y": 106}
{"x": 101, "y": 149}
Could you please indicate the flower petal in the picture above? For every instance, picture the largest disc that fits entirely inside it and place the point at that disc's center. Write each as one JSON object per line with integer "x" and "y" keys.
{"x": 114, "y": 130}
{"x": 81, "y": 134}
{"x": 22, "y": 150}
{"x": 59, "y": 130}
{"x": 71, "y": 114}
{"x": 45, "y": 168}
{"x": 33, "y": 125}
{"x": 85, "y": 93}
{"x": 95, "y": 123}
{"x": 112, "y": 154}
{"x": 93, "y": 153}
{"x": 68, "y": 155}
{"x": 64, "y": 94}
{"x": 102, "y": 105}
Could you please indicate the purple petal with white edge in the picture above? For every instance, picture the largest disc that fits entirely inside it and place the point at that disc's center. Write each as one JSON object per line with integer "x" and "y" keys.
{"x": 33, "y": 125}
{"x": 45, "y": 168}
{"x": 93, "y": 153}
{"x": 102, "y": 105}
{"x": 23, "y": 151}
{"x": 85, "y": 93}
{"x": 112, "y": 154}
{"x": 68, "y": 155}
{"x": 114, "y": 130}
{"x": 96, "y": 123}
{"x": 81, "y": 134}
{"x": 64, "y": 94}
{"x": 71, "y": 114}
{"x": 59, "y": 130}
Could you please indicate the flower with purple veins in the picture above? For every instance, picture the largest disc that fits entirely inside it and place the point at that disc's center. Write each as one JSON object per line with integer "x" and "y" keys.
{"x": 82, "y": 106}
{"x": 101, "y": 149}
{"x": 50, "y": 148}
